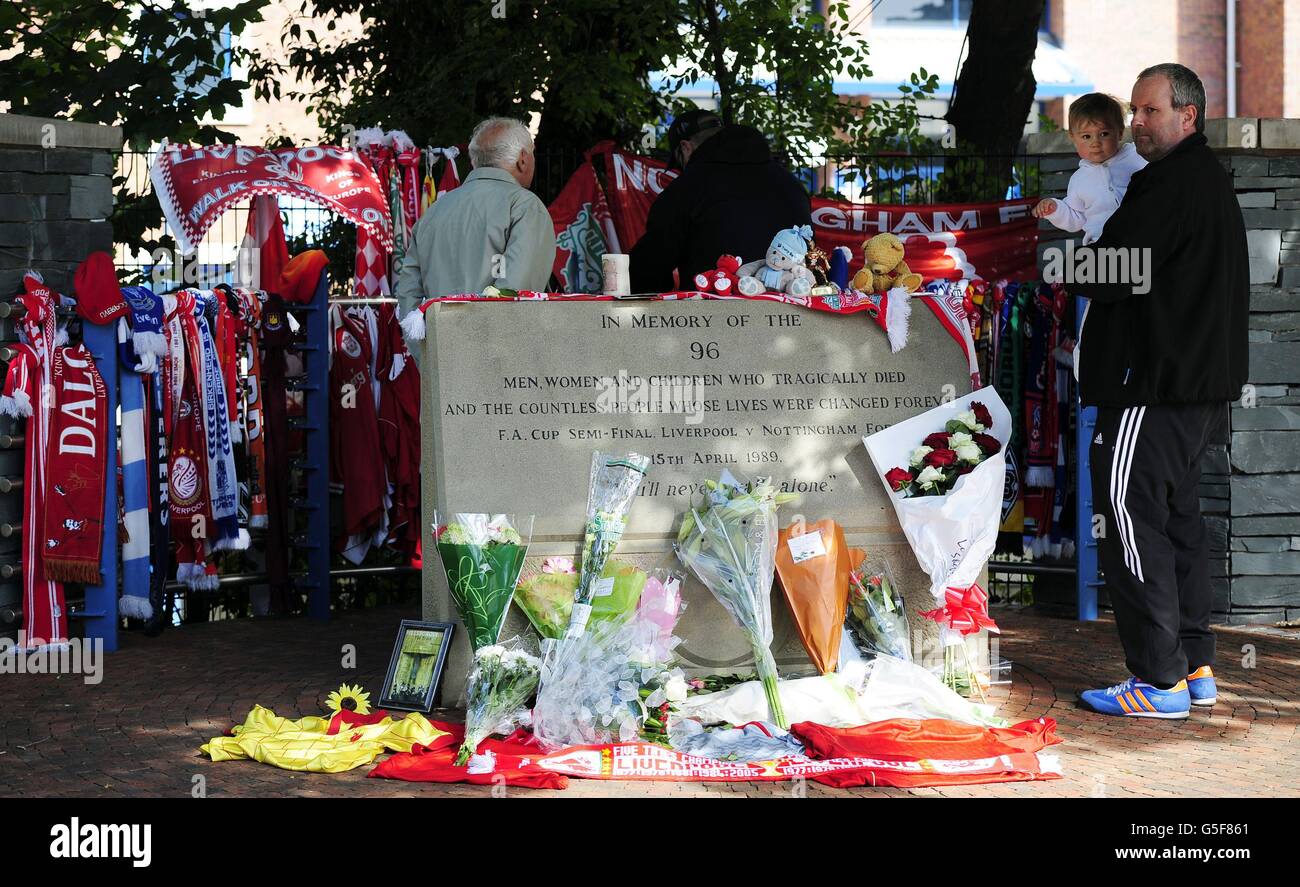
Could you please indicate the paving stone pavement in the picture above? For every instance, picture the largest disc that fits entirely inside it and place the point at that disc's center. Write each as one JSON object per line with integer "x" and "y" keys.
{"x": 138, "y": 732}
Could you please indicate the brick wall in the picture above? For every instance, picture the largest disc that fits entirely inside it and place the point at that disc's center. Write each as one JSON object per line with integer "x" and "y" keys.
{"x": 1202, "y": 46}
{"x": 1250, "y": 487}
{"x": 1261, "y": 62}
{"x": 55, "y": 199}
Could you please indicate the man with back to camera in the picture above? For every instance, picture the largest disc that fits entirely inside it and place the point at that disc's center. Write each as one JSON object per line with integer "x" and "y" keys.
{"x": 490, "y": 231}
{"x": 731, "y": 198}
{"x": 1160, "y": 365}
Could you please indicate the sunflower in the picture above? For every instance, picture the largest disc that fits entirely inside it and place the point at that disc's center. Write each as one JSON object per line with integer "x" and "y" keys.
{"x": 347, "y": 698}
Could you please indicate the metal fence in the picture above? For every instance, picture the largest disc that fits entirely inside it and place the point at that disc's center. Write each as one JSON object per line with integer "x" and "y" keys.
{"x": 895, "y": 178}
{"x": 869, "y": 179}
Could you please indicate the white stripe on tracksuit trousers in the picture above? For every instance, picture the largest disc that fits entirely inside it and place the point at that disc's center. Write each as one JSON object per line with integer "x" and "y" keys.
{"x": 1121, "y": 468}
{"x": 1152, "y": 545}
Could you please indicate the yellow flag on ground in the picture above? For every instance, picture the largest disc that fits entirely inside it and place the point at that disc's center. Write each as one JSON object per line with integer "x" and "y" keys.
{"x": 306, "y": 745}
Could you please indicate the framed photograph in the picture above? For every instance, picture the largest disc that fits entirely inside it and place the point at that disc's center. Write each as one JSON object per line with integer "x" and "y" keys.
{"x": 416, "y": 665}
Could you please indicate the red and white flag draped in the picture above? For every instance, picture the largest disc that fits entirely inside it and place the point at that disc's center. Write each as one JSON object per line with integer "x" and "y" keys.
{"x": 943, "y": 241}
{"x": 61, "y": 395}
{"x": 196, "y": 185}
{"x": 264, "y": 234}
{"x": 900, "y": 752}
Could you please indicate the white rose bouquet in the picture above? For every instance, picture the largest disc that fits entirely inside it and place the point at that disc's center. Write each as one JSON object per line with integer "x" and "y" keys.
{"x": 503, "y": 678}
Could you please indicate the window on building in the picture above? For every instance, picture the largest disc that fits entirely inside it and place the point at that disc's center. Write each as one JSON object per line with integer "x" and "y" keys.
{"x": 940, "y": 13}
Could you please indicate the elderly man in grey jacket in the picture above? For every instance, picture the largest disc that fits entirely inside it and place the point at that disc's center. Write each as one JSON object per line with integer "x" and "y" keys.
{"x": 490, "y": 231}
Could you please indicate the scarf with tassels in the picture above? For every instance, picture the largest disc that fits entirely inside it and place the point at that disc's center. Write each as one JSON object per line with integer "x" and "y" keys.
{"x": 187, "y": 471}
{"x": 74, "y": 504}
{"x": 136, "y": 570}
{"x": 250, "y": 407}
{"x": 29, "y": 377}
{"x": 223, "y": 483}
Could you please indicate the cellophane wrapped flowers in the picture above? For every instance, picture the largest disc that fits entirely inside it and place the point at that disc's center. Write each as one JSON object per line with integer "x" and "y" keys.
{"x": 503, "y": 678}
{"x": 729, "y": 543}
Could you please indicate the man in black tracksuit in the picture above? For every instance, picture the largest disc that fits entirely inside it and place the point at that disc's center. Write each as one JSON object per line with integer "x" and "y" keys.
{"x": 731, "y": 199}
{"x": 1160, "y": 365}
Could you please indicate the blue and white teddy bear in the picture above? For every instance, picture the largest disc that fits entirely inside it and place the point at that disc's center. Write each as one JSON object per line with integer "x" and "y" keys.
{"x": 783, "y": 270}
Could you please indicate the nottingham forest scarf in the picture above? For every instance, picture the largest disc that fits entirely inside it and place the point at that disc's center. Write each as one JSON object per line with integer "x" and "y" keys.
{"x": 74, "y": 505}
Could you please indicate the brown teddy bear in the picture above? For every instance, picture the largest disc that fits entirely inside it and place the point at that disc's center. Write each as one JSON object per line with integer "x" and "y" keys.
{"x": 885, "y": 268}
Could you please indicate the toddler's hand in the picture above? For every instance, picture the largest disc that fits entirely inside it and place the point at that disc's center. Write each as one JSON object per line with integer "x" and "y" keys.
{"x": 1044, "y": 208}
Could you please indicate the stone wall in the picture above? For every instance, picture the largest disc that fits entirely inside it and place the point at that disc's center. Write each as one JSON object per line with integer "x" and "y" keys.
{"x": 56, "y": 196}
{"x": 1250, "y": 489}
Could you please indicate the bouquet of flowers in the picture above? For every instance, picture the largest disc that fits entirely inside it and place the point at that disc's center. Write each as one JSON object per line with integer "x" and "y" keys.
{"x": 500, "y": 682}
{"x": 546, "y": 598}
{"x": 614, "y": 482}
{"x": 950, "y": 505}
{"x": 661, "y": 603}
{"x": 813, "y": 562}
{"x": 614, "y": 683}
{"x": 876, "y": 618}
{"x": 482, "y": 555}
{"x": 730, "y": 544}
{"x": 945, "y": 456}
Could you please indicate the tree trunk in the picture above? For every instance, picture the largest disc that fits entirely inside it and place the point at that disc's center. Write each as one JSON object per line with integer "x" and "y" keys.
{"x": 993, "y": 95}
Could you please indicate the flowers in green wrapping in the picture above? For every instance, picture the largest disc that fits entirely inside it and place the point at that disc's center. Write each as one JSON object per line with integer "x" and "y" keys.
{"x": 504, "y": 676}
{"x": 547, "y": 598}
{"x": 482, "y": 555}
{"x": 730, "y": 544}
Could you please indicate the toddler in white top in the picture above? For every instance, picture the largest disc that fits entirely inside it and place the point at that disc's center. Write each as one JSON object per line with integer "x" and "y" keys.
{"x": 1105, "y": 167}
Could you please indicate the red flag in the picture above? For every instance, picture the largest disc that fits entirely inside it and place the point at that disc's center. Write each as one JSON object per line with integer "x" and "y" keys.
{"x": 196, "y": 185}
{"x": 265, "y": 233}
{"x": 943, "y": 241}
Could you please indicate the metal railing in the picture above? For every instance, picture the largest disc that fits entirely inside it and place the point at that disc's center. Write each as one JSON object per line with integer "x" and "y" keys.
{"x": 891, "y": 178}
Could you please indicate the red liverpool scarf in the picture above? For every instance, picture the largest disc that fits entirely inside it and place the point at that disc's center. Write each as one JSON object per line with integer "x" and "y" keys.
{"x": 74, "y": 504}
{"x": 187, "y": 475}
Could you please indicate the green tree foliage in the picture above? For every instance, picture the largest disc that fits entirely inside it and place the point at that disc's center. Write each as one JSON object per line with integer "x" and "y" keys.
{"x": 588, "y": 70}
{"x": 157, "y": 70}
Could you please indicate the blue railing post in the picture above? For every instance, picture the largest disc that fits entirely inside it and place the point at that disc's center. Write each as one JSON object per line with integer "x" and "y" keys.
{"x": 1087, "y": 581}
{"x": 317, "y": 455}
{"x": 99, "y": 615}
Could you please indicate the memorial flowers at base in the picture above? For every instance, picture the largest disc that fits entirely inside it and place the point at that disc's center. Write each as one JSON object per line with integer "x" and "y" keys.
{"x": 500, "y": 682}
{"x": 616, "y": 682}
{"x": 482, "y": 555}
{"x": 612, "y": 487}
{"x": 876, "y": 619}
{"x": 729, "y": 542}
{"x": 948, "y": 501}
{"x": 546, "y": 598}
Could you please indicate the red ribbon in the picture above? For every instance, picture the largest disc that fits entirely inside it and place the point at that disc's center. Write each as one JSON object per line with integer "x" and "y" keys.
{"x": 965, "y": 610}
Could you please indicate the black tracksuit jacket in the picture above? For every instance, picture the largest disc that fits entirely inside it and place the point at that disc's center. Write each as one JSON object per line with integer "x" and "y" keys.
{"x": 1185, "y": 340}
{"x": 731, "y": 199}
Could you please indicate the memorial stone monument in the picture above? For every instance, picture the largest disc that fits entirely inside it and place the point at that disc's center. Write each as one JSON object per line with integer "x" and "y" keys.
{"x": 517, "y": 396}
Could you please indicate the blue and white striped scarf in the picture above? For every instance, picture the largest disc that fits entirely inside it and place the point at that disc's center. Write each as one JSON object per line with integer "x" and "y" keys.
{"x": 135, "y": 483}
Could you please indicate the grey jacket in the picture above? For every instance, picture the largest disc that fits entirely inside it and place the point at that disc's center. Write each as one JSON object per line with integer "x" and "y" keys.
{"x": 487, "y": 231}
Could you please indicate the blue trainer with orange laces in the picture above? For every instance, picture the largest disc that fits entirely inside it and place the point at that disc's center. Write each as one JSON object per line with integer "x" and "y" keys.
{"x": 1138, "y": 699}
{"x": 1201, "y": 686}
